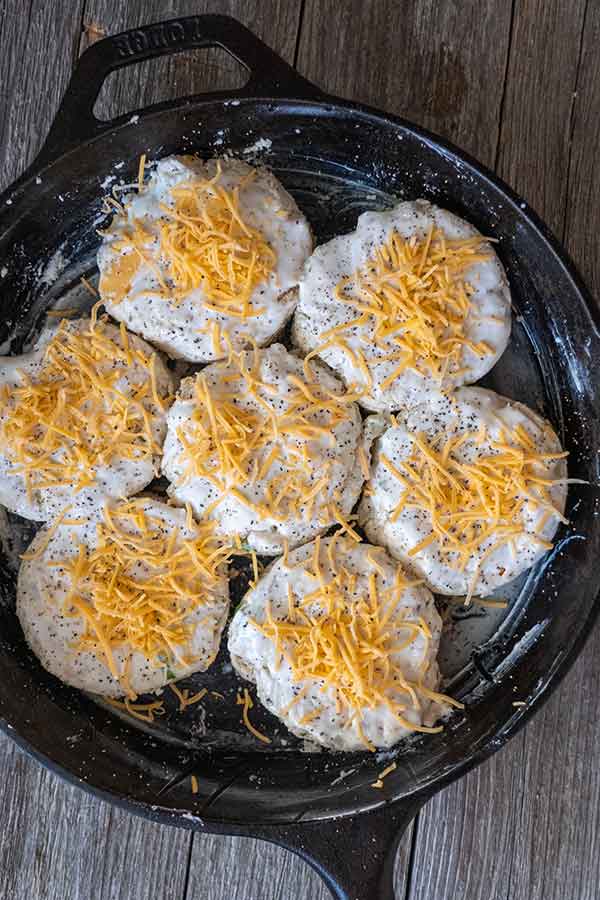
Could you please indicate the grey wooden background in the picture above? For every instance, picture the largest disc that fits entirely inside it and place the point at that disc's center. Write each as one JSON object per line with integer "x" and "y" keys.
{"x": 517, "y": 84}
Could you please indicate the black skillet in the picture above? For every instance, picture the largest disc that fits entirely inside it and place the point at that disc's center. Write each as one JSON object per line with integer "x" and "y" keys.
{"x": 337, "y": 158}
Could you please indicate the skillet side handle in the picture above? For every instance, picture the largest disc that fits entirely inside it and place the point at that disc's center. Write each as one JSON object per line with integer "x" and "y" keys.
{"x": 269, "y": 74}
{"x": 354, "y": 855}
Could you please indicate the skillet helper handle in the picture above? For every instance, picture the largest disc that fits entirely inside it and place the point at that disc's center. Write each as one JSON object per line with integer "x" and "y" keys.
{"x": 269, "y": 74}
{"x": 354, "y": 855}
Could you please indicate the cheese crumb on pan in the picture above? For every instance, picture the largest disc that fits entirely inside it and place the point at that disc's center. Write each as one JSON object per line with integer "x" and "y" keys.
{"x": 387, "y": 771}
{"x": 144, "y": 712}
{"x": 126, "y": 600}
{"x": 204, "y": 250}
{"x": 82, "y": 417}
{"x": 184, "y": 698}
{"x": 342, "y": 646}
{"x": 271, "y": 457}
{"x": 413, "y": 300}
{"x": 245, "y": 701}
{"x": 468, "y": 492}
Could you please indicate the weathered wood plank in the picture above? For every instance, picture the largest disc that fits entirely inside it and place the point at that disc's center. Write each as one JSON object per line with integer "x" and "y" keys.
{"x": 557, "y": 854}
{"x": 231, "y": 868}
{"x": 243, "y": 869}
{"x": 438, "y": 64}
{"x": 556, "y": 831}
{"x": 465, "y": 839}
{"x": 38, "y": 43}
{"x": 524, "y": 825}
{"x": 583, "y": 202}
{"x": 533, "y": 151}
{"x": 61, "y": 844}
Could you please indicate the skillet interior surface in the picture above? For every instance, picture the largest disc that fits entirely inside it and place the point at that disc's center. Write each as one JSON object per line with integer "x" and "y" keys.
{"x": 337, "y": 160}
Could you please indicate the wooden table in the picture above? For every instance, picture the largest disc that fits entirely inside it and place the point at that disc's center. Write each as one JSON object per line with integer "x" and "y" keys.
{"x": 518, "y": 86}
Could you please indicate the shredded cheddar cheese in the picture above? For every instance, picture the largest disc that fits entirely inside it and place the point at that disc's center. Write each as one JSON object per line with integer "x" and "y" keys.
{"x": 65, "y": 312}
{"x": 73, "y": 415}
{"x": 141, "y": 170}
{"x": 475, "y": 506}
{"x": 201, "y": 241}
{"x": 184, "y": 696}
{"x": 478, "y": 601}
{"x": 257, "y": 445}
{"x": 364, "y": 463}
{"x": 387, "y": 771}
{"x": 137, "y": 590}
{"x": 145, "y": 712}
{"x": 245, "y": 701}
{"x": 89, "y": 287}
{"x": 349, "y": 640}
{"x": 411, "y": 302}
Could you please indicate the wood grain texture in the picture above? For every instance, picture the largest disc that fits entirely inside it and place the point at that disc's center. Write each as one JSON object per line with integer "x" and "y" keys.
{"x": 533, "y": 151}
{"x": 184, "y": 73}
{"x": 557, "y": 823}
{"x": 465, "y": 840}
{"x": 38, "y": 43}
{"x": 234, "y": 868}
{"x": 525, "y": 824}
{"x": 243, "y": 869}
{"x": 583, "y": 202}
{"x": 440, "y": 65}
{"x": 61, "y": 844}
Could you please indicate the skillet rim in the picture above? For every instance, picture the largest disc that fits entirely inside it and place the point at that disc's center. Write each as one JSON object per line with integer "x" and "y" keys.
{"x": 328, "y": 104}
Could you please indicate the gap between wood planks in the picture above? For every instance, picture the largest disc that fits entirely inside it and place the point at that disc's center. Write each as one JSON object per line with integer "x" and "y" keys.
{"x": 504, "y": 83}
{"x": 563, "y": 233}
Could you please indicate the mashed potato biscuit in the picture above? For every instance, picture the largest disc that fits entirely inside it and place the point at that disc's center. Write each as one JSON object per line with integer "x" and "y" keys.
{"x": 206, "y": 254}
{"x": 124, "y": 601}
{"x": 82, "y": 417}
{"x": 413, "y": 300}
{"x": 341, "y": 646}
{"x": 269, "y": 456}
{"x": 468, "y": 491}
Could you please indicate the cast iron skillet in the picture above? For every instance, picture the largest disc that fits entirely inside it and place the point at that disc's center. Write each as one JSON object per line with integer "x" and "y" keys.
{"x": 337, "y": 158}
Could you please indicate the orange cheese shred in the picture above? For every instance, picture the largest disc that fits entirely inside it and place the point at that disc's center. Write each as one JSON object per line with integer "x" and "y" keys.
{"x": 246, "y": 702}
{"x": 184, "y": 698}
{"x": 387, "y": 771}
{"x": 145, "y": 712}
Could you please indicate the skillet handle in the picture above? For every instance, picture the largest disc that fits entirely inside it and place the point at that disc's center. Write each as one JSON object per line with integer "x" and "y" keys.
{"x": 354, "y": 855}
{"x": 269, "y": 74}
